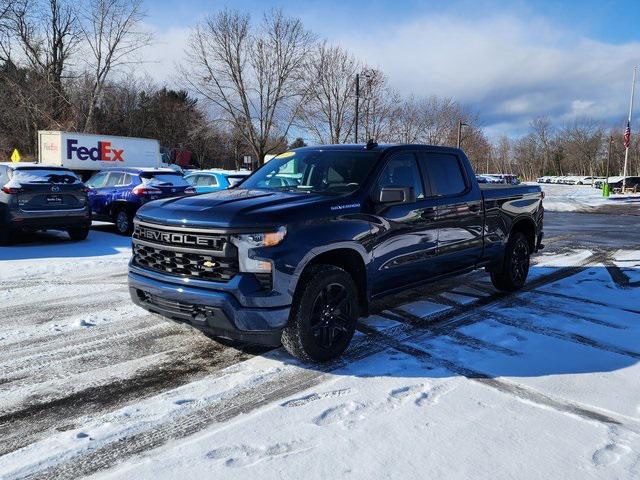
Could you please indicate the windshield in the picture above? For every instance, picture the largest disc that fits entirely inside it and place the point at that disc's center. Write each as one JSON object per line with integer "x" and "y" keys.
{"x": 44, "y": 175}
{"x": 235, "y": 179}
{"x": 330, "y": 172}
{"x": 170, "y": 179}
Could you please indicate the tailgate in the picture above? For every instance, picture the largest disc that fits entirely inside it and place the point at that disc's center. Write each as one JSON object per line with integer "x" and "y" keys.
{"x": 51, "y": 197}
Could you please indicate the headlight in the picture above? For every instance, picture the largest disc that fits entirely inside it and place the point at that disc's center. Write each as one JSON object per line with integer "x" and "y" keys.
{"x": 249, "y": 241}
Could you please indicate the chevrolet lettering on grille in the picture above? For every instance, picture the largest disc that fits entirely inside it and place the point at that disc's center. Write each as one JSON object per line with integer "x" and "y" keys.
{"x": 179, "y": 239}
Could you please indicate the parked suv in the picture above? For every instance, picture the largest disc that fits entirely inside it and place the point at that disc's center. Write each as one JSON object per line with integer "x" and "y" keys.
{"x": 33, "y": 197}
{"x": 207, "y": 181}
{"x": 115, "y": 195}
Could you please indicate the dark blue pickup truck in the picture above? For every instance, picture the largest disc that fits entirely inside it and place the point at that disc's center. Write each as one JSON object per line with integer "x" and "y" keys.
{"x": 296, "y": 252}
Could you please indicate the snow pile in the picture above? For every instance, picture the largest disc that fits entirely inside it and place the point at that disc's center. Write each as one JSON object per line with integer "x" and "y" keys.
{"x": 576, "y": 198}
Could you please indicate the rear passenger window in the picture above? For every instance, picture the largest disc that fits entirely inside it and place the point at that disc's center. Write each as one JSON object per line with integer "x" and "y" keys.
{"x": 114, "y": 179}
{"x": 445, "y": 174}
{"x": 402, "y": 171}
{"x": 125, "y": 180}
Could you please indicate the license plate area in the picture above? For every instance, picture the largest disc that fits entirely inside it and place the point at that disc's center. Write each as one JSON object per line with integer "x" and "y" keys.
{"x": 54, "y": 199}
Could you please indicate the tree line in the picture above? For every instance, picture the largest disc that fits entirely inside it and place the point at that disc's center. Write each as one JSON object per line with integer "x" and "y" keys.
{"x": 248, "y": 86}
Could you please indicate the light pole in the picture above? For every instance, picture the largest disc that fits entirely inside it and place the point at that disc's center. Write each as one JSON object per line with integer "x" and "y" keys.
{"x": 367, "y": 74}
{"x": 460, "y": 125}
{"x": 357, "y": 104}
{"x": 628, "y": 130}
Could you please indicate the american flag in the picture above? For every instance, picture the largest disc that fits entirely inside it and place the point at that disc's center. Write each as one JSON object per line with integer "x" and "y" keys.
{"x": 627, "y": 136}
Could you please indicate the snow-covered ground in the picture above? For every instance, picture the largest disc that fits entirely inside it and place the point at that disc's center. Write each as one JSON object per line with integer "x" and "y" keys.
{"x": 585, "y": 198}
{"x": 452, "y": 381}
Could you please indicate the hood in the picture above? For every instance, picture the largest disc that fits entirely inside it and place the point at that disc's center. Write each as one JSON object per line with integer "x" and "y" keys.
{"x": 236, "y": 208}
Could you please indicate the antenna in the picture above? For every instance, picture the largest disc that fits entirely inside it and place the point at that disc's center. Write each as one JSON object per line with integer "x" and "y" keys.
{"x": 371, "y": 144}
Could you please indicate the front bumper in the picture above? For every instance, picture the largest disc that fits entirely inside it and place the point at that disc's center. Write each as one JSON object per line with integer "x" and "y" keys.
{"x": 213, "y": 311}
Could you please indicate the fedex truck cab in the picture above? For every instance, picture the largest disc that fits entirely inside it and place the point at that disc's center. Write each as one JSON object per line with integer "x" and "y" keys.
{"x": 87, "y": 153}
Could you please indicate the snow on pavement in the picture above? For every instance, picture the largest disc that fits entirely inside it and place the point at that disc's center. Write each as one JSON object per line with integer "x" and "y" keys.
{"x": 584, "y": 198}
{"x": 541, "y": 404}
{"x": 455, "y": 381}
{"x": 538, "y": 385}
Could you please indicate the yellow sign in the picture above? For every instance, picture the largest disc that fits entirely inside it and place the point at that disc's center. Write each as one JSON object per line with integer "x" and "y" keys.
{"x": 15, "y": 156}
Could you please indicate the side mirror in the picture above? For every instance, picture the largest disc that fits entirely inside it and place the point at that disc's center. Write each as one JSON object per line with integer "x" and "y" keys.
{"x": 391, "y": 195}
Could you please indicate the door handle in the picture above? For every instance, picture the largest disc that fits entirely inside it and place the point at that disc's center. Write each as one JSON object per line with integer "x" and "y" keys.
{"x": 474, "y": 208}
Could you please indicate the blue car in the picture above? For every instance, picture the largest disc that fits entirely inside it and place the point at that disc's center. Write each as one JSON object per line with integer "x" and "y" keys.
{"x": 206, "y": 181}
{"x": 115, "y": 195}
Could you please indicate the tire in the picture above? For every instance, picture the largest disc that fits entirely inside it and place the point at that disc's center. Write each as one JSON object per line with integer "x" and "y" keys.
{"x": 515, "y": 267}
{"x": 324, "y": 315}
{"x": 78, "y": 233}
{"x": 123, "y": 221}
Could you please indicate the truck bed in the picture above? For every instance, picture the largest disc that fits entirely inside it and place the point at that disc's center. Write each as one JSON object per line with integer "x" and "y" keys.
{"x": 504, "y": 190}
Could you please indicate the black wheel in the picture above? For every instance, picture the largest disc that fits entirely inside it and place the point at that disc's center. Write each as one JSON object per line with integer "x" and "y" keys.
{"x": 515, "y": 268}
{"x": 123, "y": 221}
{"x": 324, "y": 314}
{"x": 78, "y": 233}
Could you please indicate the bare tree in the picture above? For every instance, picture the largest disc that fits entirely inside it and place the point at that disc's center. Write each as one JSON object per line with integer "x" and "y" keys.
{"x": 112, "y": 31}
{"x": 378, "y": 106}
{"x": 543, "y": 132}
{"x": 583, "y": 144}
{"x": 46, "y": 34}
{"x": 328, "y": 112}
{"x": 254, "y": 78}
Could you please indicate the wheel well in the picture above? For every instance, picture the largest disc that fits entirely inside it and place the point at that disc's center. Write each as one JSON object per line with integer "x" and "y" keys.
{"x": 528, "y": 228}
{"x": 350, "y": 261}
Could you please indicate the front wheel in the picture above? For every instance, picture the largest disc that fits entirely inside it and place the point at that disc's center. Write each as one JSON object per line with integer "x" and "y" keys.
{"x": 515, "y": 267}
{"x": 123, "y": 221}
{"x": 324, "y": 315}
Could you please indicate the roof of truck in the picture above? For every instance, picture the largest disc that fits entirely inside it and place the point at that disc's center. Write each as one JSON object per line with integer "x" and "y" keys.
{"x": 381, "y": 147}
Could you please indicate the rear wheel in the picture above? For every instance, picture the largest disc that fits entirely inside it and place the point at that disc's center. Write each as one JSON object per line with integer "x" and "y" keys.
{"x": 123, "y": 221}
{"x": 78, "y": 233}
{"x": 324, "y": 314}
{"x": 515, "y": 267}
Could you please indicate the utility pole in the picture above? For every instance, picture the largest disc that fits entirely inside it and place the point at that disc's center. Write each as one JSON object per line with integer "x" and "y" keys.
{"x": 460, "y": 125}
{"x": 626, "y": 149}
{"x": 357, "y": 104}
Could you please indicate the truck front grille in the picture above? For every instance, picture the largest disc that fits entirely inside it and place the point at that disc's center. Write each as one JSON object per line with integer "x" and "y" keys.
{"x": 193, "y": 255}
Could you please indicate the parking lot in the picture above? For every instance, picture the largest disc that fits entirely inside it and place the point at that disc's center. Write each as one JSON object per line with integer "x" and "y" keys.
{"x": 91, "y": 384}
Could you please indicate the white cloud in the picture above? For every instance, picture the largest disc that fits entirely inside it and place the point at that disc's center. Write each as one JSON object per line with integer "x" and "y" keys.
{"x": 509, "y": 67}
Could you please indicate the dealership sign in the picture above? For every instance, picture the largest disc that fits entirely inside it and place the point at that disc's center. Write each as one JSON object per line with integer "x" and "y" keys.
{"x": 103, "y": 152}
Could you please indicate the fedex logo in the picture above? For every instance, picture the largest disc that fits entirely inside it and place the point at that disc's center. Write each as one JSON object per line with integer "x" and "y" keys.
{"x": 102, "y": 152}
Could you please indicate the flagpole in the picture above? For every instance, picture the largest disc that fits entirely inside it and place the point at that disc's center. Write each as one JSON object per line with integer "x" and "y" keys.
{"x": 626, "y": 150}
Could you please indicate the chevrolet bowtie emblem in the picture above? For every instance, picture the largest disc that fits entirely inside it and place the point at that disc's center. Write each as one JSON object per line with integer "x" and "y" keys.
{"x": 209, "y": 264}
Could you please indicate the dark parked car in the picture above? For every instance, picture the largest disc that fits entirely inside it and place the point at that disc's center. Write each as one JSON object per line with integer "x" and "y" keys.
{"x": 273, "y": 261}
{"x": 115, "y": 195}
{"x": 34, "y": 197}
{"x": 616, "y": 182}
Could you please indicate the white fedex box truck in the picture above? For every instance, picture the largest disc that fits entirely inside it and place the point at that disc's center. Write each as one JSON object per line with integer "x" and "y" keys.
{"x": 86, "y": 153}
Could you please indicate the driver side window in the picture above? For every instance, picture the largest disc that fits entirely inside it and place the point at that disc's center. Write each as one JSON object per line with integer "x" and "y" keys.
{"x": 402, "y": 171}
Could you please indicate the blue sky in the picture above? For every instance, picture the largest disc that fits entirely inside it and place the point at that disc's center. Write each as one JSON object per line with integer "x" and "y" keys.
{"x": 510, "y": 61}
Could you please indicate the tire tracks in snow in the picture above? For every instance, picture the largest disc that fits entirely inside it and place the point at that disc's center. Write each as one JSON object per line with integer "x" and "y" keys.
{"x": 183, "y": 365}
{"x": 294, "y": 381}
